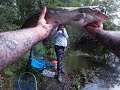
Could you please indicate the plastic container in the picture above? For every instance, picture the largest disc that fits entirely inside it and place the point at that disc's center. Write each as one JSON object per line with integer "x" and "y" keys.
{"x": 38, "y": 63}
{"x": 48, "y": 73}
{"x": 55, "y": 62}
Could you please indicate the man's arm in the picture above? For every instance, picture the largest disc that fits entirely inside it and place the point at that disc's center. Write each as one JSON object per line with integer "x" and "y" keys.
{"x": 65, "y": 33}
{"x": 13, "y": 44}
{"x": 110, "y": 39}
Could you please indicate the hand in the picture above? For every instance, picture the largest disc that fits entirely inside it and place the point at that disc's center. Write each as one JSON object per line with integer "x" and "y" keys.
{"x": 94, "y": 27}
{"x": 42, "y": 22}
{"x": 62, "y": 29}
{"x": 83, "y": 19}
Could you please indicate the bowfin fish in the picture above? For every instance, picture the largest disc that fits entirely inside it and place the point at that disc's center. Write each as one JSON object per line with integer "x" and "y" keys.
{"x": 73, "y": 16}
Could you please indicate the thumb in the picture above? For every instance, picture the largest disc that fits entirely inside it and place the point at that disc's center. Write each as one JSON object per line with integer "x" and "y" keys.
{"x": 43, "y": 12}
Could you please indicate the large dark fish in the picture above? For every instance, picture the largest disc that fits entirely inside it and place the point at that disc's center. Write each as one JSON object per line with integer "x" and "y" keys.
{"x": 70, "y": 16}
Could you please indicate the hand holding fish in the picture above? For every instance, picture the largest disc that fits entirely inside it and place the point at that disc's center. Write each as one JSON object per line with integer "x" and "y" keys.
{"x": 110, "y": 39}
{"x": 94, "y": 27}
{"x": 16, "y": 43}
{"x": 42, "y": 22}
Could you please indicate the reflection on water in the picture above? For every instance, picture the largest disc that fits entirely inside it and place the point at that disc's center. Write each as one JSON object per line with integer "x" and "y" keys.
{"x": 96, "y": 87}
{"x": 95, "y": 74}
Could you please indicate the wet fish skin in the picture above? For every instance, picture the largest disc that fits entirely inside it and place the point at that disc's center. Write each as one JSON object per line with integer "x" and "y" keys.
{"x": 76, "y": 16}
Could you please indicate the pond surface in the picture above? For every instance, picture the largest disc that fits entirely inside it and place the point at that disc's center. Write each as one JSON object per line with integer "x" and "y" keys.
{"x": 95, "y": 74}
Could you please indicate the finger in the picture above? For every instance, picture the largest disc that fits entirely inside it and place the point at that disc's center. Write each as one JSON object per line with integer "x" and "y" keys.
{"x": 53, "y": 24}
{"x": 49, "y": 26}
{"x": 43, "y": 12}
{"x": 93, "y": 24}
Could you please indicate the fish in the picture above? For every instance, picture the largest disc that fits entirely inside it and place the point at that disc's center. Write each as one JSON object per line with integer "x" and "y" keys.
{"x": 73, "y": 16}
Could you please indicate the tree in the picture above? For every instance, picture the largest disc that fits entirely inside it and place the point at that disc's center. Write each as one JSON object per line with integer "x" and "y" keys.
{"x": 8, "y": 15}
{"x": 112, "y": 7}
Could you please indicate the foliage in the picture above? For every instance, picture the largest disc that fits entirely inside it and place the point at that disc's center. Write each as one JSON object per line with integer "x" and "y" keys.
{"x": 24, "y": 7}
{"x": 108, "y": 25}
{"x": 111, "y": 7}
{"x": 8, "y": 15}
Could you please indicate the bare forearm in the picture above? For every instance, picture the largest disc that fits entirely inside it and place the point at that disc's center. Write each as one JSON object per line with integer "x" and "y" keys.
{"x": 110, "y": 39}
{"x": 15, "y": 43}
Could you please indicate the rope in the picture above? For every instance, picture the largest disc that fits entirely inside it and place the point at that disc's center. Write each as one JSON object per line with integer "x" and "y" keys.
{"x": 32, "y": 75}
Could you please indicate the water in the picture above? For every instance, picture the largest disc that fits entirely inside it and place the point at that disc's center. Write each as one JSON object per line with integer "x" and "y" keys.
{"x": 95, "y": 74}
